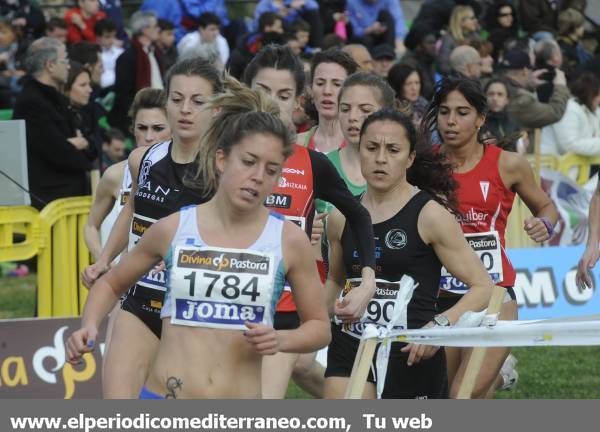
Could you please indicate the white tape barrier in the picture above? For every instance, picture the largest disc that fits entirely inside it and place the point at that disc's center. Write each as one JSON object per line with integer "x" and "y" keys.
{"x": 579, "y": 331}
{"x": 566, "y": 332}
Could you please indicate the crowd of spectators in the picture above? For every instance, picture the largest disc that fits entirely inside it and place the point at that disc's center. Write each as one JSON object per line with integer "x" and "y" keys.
{"x": 72, "y": 77}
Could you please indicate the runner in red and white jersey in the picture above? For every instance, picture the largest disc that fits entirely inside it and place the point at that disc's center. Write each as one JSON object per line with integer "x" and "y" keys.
{"x": 488, "y": 179}
{"x": 306, "y": 176}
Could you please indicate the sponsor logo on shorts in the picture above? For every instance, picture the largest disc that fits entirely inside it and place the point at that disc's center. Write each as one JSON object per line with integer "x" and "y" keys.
{"x": 279, "y": 201}
{"x": 139, "y": 226}
{"x": 395, "y": 239}
{"x": 223, "y": 261}
{"x": 124, "y": 198}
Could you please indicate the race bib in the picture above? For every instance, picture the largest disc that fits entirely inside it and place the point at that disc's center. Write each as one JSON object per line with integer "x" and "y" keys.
{"x": 487, "y": 247}
{"x": 221, "y": 288}
{"x": 381, "y": 310}
{"x": 153, "y": 279}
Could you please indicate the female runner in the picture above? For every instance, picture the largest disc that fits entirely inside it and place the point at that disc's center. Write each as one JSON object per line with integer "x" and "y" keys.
{"x": 149, "y": 125}
{"x": 408, "y": 196}
{"x": 227, "y": 261}
{"x": 307, "y": 175}
{"x": 157, "y": 189}
{"x": 328, "y": 71}
{"x": 488, "y": 179}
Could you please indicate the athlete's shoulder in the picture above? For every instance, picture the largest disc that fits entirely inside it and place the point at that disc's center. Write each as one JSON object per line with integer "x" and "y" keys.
{"x": 511, "y": 163}
{"x": 113, "y": 175}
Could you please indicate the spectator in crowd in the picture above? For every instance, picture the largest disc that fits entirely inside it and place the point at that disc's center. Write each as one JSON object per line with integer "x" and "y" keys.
{"x": 114, "y": 12}
{"x": 138, "y": 67}
{"x": 57, "y": 28}
{"x": 462, "y": 29}
{"x": 524, "y": 105}
{"x": 578, "y": 131}
{"x": 502, "y": 24}
{"x": 361, "y": 56}
{"x": 291, "y": 10}
{"x": 300, "y": 29}
{"x": 270, "y": 30}
{"x": 549, "y": 58}
{"x": 333, "y": 15}
{"x": 571, "y": 27}
{"x": 420, "y": 44}
{"x": 208, "y": 33}
{"x": 82, "y": 19}
{"x": 374, "y": 22}
{"x": 113, "y": 148}
{"x": 166, "y": 43}
{"x": 26, "y": 17}
{"x": 106, "y": 33}
{"x": 57, "y": 164}
{"x": 466, "y": 60}
{"x": 539, "y": 17}
{"x": 78, "y": 90}
{"x": 499, "y": 127}
{"x": 436, "y": 13}
{"x": 384, "y": 57}
{"x": 406, "y": 82}
{"x": 89, "y": 55}
{"x": 184, "y": 15}
{"x": 10, "y": 69}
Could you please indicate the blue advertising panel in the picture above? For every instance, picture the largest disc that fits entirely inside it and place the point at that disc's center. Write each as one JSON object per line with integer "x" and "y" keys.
{"x": 545, "y": 284}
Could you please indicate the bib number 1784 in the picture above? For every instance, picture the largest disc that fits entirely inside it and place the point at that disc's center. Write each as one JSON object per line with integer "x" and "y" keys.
{"x": 228, "y": 285}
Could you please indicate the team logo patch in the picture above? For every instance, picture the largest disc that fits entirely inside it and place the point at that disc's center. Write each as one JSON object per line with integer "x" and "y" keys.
{"x": 144, "y": 171}
{"x": 485, "y": 187}
{"x": 395, "y": 239}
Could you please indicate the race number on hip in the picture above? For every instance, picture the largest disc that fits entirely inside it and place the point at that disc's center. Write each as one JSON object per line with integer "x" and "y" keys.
{"x": 380, "y": 309}
{"x": 221, "y": 288}
{"x": 487, "y": 247}
{"x": 153, "y": 279}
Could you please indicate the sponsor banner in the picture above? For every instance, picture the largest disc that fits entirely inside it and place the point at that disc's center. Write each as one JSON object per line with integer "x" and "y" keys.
{"x": 572, "y": 201}
{"x": 545, "y": 285}
{"x": 32, "y": 361}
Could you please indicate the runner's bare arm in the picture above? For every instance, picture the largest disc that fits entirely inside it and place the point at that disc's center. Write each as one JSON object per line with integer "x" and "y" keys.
{"x": 592, "y": 253}
{"x": 104, "y": 201}
{"x": 440, "y": 229}
{"x": 119, "y": 234}
{"x": 518, "y": 176}
{"x": 336, "y": 278}
{"x": 314, "y": 332}
{"x": 150, "y": 250}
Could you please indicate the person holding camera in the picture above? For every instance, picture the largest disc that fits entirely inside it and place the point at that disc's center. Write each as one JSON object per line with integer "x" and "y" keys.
{"x": 524, "y": 105}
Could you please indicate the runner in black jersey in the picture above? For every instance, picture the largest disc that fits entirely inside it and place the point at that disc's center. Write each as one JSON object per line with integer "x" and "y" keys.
{"x": 149, "y": 126}
{"x": 407, "y": 192}
{"x": 158, "y": 190}
{"x": 306, "y": 176}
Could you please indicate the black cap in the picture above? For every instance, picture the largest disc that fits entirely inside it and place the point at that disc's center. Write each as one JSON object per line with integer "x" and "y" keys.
{"x": 516, "y": 59}
{"x": 383, "y": 51}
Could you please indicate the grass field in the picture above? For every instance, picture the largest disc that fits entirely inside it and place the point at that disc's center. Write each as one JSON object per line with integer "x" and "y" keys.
{"x": 544, "y": 373}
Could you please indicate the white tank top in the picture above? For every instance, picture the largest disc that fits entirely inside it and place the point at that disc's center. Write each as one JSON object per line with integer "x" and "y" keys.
{"x": 122, "y": 197}
{"x": 222, "y": 288}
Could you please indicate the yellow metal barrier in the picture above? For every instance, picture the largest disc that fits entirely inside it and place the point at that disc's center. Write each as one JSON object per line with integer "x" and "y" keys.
{"x": 56, "y": 235}
{"x": 576, "y": 167}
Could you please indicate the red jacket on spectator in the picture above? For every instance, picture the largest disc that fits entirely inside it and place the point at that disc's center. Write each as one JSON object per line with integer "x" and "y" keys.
{"x": 74, "y": 32}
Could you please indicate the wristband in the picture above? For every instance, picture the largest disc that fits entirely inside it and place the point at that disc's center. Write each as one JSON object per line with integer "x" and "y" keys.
{"x": 548, "y": 225}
